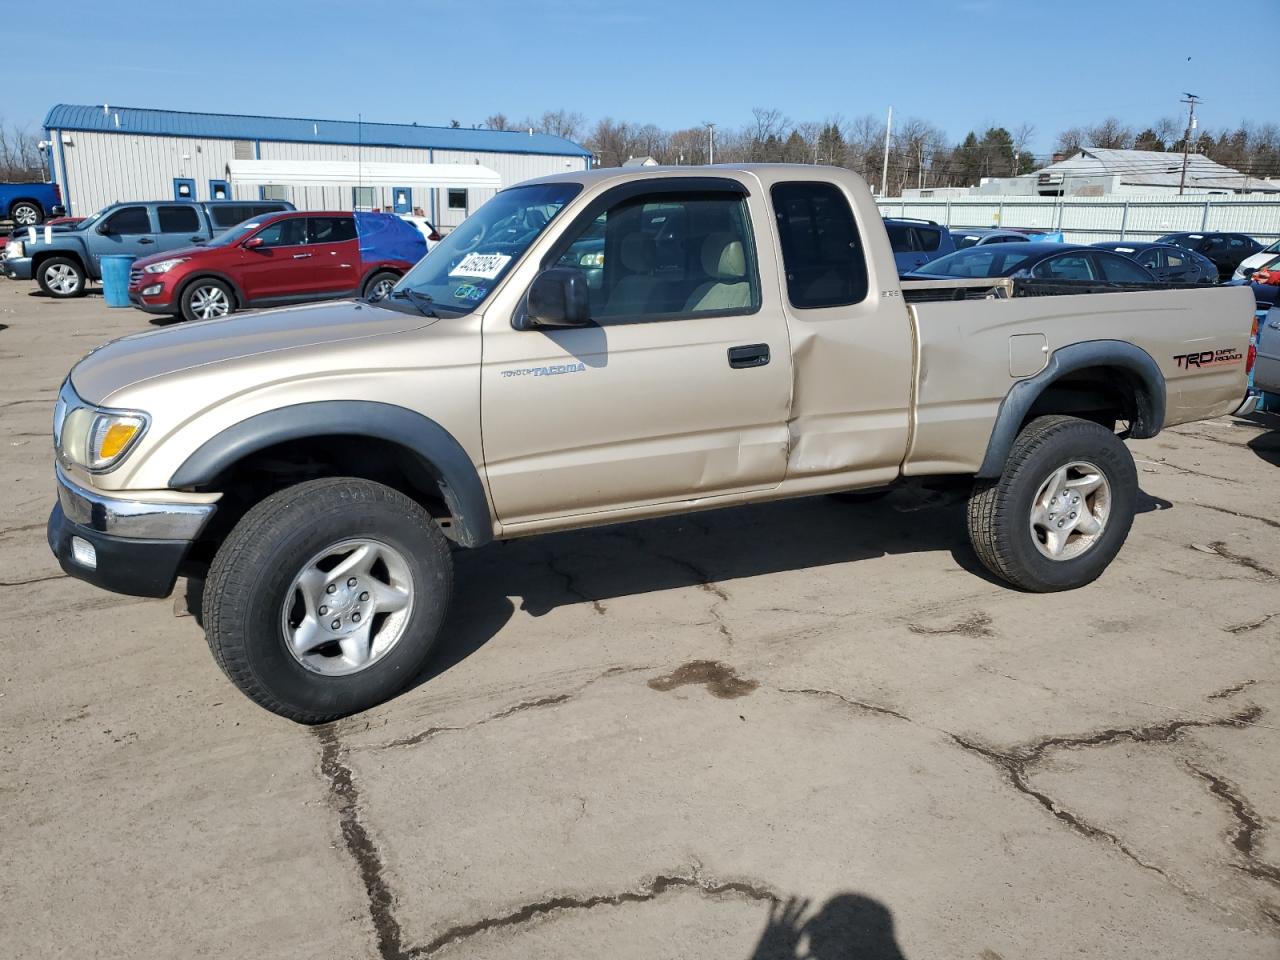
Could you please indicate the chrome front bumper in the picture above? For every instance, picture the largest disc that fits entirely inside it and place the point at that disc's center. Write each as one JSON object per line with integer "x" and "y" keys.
{"x": 131, "y": 519}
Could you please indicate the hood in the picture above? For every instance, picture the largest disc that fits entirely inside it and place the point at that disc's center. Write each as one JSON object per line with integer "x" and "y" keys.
{"x": 157, "y": 353}
{"x": 192, "y": 251}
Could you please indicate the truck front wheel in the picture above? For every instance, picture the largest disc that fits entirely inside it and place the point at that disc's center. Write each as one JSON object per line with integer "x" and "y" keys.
{"x": 1061, "y": 510}
{"x": 61, "y": 277}
{"x": 327, "y": 598}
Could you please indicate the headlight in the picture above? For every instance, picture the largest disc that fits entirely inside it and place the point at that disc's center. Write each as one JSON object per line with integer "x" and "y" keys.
{"x": 14, "y": 248}
{"x": 164, "y": 266}
{"x": 94, "y": 438}
{"x": 591, "y": 260}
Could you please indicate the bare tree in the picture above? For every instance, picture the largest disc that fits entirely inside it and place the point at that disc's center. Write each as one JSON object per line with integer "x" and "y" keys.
{"x": 20, "y": 157}
{"x": 562, "y": 123}
{"x": 499, "y": 121}
{"x": 1110, "y": 134}
{"x": 1070, "y": 141}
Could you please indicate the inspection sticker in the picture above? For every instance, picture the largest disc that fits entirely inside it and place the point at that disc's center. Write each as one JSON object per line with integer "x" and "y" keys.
{"x": 486, "y": 266}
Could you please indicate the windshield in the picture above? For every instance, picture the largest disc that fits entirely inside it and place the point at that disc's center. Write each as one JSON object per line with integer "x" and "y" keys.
{"x": 465, "y": 266}
{"x": 988, "y": 260}
{"x": 236, "y": 233}
{"x": 1274, "y": 248}
{"x": 88, "y": 222}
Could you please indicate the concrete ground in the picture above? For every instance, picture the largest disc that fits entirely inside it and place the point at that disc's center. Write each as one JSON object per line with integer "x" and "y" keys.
{"x": 646, "y": 740}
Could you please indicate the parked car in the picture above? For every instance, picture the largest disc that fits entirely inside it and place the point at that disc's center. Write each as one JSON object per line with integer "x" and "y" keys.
{"x": 977, "y": 237}
{"x": 1226, "y": 250}
{"x": 1166, "y": 261}
{"x": 1266, "y": 371}
{"x": 30, "y": 204}
{"x": 916, "y": 242}
{"x": 1249, "y": 264}
{"x": 63, "y": 263}
{"x": 430, "y": 235}
{"x": 1036, "y": 259}
{"x": 316, "y": 466}
{"x": 276, "y": 259}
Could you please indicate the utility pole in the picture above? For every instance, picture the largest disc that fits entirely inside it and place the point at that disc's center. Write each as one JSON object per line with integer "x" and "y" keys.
{"x": 884, "y": 170}
{"x": 1191, "y": 101}
{"x": 711, "y": 142}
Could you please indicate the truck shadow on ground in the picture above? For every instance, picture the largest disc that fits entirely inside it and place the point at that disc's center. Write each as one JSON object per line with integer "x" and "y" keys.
{"x": 1266, "y": 445}
{"x": 710, "y": 550}
{"x": 849, "y": 926}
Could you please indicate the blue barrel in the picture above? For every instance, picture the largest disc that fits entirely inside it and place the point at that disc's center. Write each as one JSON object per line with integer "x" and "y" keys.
{"x": 115, "y": 279}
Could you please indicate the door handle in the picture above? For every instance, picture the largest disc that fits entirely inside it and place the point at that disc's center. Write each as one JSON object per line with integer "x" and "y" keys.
{"x": 301, "y": 256}
{"x": 751, "y": 355}
{"x": 145, "y": 240}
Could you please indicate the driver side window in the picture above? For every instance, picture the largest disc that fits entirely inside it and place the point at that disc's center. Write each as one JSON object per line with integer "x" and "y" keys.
{"x": 129, "y": 221}
{"x": 668, "y": 256}
{"x": 284, "y": 233}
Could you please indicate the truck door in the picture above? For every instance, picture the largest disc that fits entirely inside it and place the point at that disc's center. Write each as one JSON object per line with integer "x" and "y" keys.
{"x": 127, "y": 231}
{"x": 850, "y": 335}
{"x": 680, "y": 387}
{"x": 179, "y": 227}
{"x": 335, "y": 253}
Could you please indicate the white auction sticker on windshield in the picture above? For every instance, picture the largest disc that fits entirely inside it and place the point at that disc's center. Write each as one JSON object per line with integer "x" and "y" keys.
{"x": 486, "y": 266}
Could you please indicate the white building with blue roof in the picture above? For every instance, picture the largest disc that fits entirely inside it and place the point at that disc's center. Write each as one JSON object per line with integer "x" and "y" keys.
{"x": 104, "y": 154}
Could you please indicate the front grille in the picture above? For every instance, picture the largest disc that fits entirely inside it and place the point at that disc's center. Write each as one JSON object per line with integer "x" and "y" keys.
{"x": 135, "y": 277}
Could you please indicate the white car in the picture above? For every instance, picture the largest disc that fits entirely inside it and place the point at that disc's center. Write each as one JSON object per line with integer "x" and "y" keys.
{"x": 428, "y": 229}
{"x": 1256, "y": 261}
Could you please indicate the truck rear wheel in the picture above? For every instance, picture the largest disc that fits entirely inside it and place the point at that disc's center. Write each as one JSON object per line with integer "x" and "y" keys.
{"x": 1061, "y": 510}
{"x": 24, "y": 213}
{"x": 328, "y": 598}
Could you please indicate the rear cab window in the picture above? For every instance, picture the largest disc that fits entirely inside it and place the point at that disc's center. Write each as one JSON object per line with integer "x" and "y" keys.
{"x": 822, "y": 252}
{"x": 178, "y": 219}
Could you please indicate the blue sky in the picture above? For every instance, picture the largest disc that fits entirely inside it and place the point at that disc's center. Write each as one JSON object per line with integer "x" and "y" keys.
{"x": 961, "y": 65}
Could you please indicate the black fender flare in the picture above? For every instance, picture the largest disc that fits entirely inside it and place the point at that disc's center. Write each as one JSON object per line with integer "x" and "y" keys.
{"x": 441, "y": 454}
{"x": 1078, "y": 356}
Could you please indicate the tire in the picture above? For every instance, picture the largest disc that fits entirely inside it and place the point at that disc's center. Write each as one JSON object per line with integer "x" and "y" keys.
{"x": 61, "y": 277}
{"x": 384, "y": 279}
{"x": 1018, "y": 546}
{"x": 207, "y": 299}
{"x": 251, "y": 605}
{"x": 24, "y": 213}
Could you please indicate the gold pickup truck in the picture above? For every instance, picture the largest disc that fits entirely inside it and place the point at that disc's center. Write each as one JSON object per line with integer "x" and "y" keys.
{"x": 593, "y": 348}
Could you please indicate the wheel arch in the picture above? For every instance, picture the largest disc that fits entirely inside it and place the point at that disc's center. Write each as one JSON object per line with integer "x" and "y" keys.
{"x": 373, "y": 272}
{"x": 434, "y": 449}
{"x": 41, "y": 256}
{"x": 31, "y": 200}
{"x": 197, "y": 276}
{"x": 1127, "y": 373}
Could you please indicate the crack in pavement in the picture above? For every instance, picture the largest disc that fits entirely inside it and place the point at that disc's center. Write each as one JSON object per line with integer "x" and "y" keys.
{"x": 704, "y": 580}
{"x": 856, "y": 704}
{"x": 1249, "y": 825}
{"x": 23, "y": 583}
{"x": 519, "y": 707}
{"x": 344, "y": 797}
{"x": 1231, "y": 691}
{"x": 1182, "y": 469}
{"x": 1220, "y": 548}
{"x": 1251, "y": 625}
{"x": 975, "y": 625}
{"x": 571, "y": 583}
{"x": 651, "y": 890}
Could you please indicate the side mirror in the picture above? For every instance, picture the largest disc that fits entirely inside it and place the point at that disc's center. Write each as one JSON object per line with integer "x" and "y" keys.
{"x": 253, "y": 243}
{"x": 558, "y": 297}
{"x": 1248, "y": 272}
{"x": 104, "y": 229}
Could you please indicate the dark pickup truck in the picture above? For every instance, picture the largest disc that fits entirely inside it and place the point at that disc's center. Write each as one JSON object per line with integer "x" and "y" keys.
{"x": 30, "y": 204}
{"x": 63, "y": 259}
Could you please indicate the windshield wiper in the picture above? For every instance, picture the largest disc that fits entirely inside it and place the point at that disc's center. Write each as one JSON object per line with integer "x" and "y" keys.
{"x": 422, "y": 301}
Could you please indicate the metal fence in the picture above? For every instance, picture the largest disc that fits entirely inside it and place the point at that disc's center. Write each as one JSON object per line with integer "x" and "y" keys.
{"x": 1090, "y": 219}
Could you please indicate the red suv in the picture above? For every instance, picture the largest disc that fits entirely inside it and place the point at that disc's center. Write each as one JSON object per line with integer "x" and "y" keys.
{"x": 276, "y": 259}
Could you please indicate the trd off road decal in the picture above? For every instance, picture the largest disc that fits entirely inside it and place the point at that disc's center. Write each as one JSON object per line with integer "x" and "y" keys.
{"x": 551, "y": 371}
{"x": 1207, "y": 358}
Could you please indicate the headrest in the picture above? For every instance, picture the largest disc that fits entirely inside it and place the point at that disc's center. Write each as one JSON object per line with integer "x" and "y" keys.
{"x": 637, "y": 253}
{"x": 723, "y": 259}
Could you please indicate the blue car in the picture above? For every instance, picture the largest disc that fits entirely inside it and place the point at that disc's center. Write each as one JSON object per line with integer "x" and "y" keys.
{"x": 916, "y": 242}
